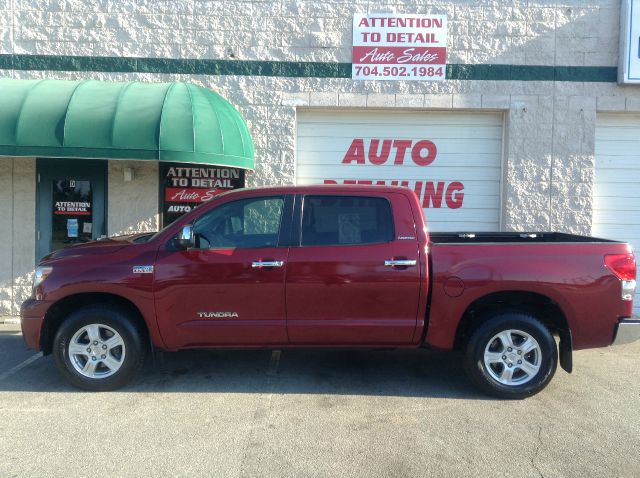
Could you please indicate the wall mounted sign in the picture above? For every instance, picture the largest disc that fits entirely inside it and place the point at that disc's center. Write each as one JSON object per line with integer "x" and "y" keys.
{"x": 72, "y": 209}
{"x": 399, "y": 47}
{"x": 75, "y": 208}
{"x": 629, "y": 71}
{"x": 185, "y": 186}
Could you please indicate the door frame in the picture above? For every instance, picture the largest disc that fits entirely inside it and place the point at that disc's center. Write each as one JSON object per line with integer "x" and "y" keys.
{"x": 95, "y": 170}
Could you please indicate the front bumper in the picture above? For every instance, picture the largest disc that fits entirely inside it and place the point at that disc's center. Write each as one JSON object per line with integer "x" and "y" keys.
{"x": 628, "y": 331}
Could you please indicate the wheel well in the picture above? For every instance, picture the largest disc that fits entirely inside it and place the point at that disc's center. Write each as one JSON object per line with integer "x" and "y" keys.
{"x": 61, "y": 309}
{"x": 537, "y": 305}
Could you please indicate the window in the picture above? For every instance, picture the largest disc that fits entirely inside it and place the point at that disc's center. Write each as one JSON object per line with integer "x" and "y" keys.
{"x": 251, "y": 222}
{"x": 335, "y": 220}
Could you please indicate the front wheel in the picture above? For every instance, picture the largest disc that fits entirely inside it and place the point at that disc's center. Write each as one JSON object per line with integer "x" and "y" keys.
{"x": 98, "y": 348}
{"x": 511, "y": 355}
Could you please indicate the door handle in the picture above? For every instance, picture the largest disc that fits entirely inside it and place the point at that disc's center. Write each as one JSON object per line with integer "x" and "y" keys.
{"x": 400, "y": 263}
{"x": 260, "y": 264}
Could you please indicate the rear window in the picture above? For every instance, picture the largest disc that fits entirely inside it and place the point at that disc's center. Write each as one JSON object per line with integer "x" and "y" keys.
{"x": 344, "y": 220}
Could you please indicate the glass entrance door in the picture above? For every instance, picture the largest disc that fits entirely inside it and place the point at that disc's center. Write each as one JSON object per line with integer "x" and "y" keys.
{"x": 71, "y": 202}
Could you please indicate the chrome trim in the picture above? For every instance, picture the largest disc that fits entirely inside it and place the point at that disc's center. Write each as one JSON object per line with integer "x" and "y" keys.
{"x": 267, "y": 264}
{"x": 628, "y": 331}
{"x": 400, "y": 262}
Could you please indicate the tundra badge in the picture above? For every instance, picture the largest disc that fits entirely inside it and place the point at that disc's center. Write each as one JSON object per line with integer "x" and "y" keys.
{"x": 143, "y": 269}
{"x": 217, "y": 315}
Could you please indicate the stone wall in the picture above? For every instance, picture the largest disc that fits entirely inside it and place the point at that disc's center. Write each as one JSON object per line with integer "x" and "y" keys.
{"x": 132, "y": 206}
{"x": 18, "y": 220}
{"x": 569, "y": 32}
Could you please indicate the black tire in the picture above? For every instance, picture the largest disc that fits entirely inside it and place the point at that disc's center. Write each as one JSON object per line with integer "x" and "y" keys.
{"x": 488, "y": 380}
{"x": 132, "y": 353}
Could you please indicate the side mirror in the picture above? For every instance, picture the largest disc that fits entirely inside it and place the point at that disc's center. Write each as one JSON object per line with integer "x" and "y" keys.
{"x": 186, "y": 239}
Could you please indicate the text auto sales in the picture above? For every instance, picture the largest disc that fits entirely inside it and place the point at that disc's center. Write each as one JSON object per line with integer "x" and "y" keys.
{"x": 432, "y": 194}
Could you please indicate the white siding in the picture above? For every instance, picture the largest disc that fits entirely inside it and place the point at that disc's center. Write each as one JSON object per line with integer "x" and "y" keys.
{"x": 469, "y": 151}
{"x": 616, "y": 195}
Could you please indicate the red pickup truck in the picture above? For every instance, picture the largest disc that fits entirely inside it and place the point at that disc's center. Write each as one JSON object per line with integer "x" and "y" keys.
{"x": 331, "y": 266}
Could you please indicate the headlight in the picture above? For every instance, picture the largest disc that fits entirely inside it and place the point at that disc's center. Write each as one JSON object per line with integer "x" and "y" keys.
{"x": 40, "y": 275}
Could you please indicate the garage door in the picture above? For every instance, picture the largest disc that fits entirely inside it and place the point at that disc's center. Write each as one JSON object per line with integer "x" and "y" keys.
{"x": 616, "y": 201}
{"x": 451, "y": 160}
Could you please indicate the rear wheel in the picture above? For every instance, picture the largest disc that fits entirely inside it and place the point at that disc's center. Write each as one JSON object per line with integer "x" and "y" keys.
{"x": 98, "y": 348}
{"x": 511, "y": 355}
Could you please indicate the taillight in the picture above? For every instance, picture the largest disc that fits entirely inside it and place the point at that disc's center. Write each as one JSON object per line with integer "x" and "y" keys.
{"x": 623, "y": 267}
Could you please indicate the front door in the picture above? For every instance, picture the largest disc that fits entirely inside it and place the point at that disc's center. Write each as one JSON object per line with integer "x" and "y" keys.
{"x": 229, "y": 289}
{"x": 341, "y": 286}
{"x": 70, "y": 202}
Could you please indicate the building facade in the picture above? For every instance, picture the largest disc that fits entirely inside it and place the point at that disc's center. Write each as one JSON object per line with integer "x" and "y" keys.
{"x": 530, "y": 129}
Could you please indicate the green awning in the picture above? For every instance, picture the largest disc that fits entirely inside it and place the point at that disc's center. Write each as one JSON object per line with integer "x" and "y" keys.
{"x": 96, "y": 119}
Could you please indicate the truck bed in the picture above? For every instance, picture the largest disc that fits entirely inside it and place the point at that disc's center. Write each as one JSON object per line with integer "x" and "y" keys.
{"x": 567, "y": 269}
{"x": 511, "y": 237}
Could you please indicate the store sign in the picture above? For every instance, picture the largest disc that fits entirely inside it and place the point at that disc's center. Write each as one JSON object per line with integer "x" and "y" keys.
{"x": 187, "y": 186}
{"x": 399, "y": 47}
{"x": 72, "y": 212}
{"x": 629, "y": 71}
{"x": 399, "y": 153}
{"x": 75, "y": 208}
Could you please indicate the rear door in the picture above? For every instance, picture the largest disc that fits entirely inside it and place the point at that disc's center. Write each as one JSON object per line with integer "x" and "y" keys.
{"x": 354, "y": 276}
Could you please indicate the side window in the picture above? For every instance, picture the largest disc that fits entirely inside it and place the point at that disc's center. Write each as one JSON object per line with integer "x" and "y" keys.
{"x": 335, "y": 220}
{"x": 253, "y": 222}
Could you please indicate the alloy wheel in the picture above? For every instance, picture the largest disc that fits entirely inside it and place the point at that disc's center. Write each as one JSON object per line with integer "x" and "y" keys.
{"x": 512, "y": 357}
{"x": 97, "y": 351}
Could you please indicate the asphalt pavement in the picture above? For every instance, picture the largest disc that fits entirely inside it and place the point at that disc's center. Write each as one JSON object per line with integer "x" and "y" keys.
{"x": 317, "y": 413}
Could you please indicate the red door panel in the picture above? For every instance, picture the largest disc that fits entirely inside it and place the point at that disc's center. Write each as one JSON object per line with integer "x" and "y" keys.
{"x": 229, "y": 289}
{"x": 346, "y": 295}
{"x": 215, "y": 297}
